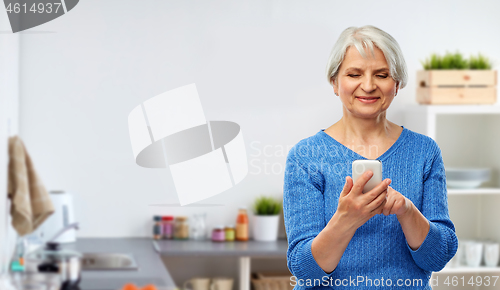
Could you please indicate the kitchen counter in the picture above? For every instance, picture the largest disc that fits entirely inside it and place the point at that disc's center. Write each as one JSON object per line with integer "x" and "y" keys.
{"x": 151, "y": 268}
{"x": 254, "y": 249}
{"x": 148, "y": 252}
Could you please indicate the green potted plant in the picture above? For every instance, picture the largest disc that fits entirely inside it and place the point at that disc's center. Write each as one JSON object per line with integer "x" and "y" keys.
{"x": 453, "y": 79}
{"x": 266, "y": 218}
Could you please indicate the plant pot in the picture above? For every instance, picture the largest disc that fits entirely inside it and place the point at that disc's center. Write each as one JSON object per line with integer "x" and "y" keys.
{"x": 446, "y": 87}
{"x": 265, "y": 227}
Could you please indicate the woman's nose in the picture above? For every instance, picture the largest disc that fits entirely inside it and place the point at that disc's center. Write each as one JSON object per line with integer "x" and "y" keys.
{"x": 368, "y": 85}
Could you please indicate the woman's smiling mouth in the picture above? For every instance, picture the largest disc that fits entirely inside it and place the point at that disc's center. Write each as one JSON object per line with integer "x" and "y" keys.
{"x": 368, "y": 100}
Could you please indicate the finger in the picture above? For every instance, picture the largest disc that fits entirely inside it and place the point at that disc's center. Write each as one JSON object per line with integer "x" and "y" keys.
{"x": 397, "y": 206}
{"x": 377, "y": 202}
{"x": 379, "y": 208}
{"x": 360, "y": 183}
{"x": 389, "y": 205}
{"x": 390, "y": 201}
{"x": 347, "y": 186}
{"x": 377, "y": 190}
{"x": 403, "y": 205}
{"x": 402, "y": 208}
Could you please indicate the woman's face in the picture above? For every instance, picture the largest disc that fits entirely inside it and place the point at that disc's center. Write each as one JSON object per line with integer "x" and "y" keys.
{"x": 364, "y": 85}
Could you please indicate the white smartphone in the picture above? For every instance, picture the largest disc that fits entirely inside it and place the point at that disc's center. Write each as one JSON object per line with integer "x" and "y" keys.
{"x": 361, "y": 166}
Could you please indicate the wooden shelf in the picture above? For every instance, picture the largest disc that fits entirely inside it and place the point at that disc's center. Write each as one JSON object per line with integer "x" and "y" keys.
{"x": 473, "y": 191}
{"x": 464, "y": 269}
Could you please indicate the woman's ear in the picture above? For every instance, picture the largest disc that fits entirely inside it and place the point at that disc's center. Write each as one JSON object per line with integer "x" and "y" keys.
{"x": 335, "y": 86}
{"x": 397, "y": 89}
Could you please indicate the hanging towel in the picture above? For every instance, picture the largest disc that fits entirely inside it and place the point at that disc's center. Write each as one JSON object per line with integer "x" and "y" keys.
{"x": 30, "y": 202}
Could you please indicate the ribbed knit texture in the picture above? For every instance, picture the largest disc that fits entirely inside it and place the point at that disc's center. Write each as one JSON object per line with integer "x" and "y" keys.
{"x": 315, "y": 174}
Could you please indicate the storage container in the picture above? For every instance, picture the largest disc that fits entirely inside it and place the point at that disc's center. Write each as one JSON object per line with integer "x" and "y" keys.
{"x": 440, "y": 87}
{"x": 181, "y": 228}
{"x": 272, "y": 281}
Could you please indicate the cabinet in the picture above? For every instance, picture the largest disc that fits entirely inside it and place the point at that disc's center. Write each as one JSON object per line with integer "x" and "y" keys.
{"x": 244, "y": 251}
{"x": 469, "y": 136}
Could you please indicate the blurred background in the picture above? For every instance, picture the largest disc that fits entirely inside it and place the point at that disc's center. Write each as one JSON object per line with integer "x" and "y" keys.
{"x": 67, "y": 87}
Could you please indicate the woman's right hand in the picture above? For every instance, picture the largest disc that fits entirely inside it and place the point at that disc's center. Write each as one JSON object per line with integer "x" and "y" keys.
{"x": 355, "y": 207}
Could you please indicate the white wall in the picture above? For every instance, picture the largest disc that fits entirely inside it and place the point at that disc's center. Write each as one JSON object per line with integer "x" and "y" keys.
{"x": 258, "y": 63}
{"x": 9, "y": 99}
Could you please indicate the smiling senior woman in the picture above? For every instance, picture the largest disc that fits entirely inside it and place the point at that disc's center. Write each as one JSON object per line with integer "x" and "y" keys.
{"x": 392, "y": 236}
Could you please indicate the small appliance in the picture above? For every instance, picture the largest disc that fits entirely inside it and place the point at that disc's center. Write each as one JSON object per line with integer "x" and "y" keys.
{"x": 62, "y": 217}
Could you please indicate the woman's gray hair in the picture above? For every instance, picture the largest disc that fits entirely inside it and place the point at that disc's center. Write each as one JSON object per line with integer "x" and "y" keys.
{"x": 367, "y": 36}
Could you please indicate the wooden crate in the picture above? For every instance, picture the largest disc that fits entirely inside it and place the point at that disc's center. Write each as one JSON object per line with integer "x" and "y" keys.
{"x": 439, "y": 87}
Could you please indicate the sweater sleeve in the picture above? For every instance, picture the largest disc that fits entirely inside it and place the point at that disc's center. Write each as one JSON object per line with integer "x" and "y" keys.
{"x": 304, "y": 214}
{"x": 440, "y": 244}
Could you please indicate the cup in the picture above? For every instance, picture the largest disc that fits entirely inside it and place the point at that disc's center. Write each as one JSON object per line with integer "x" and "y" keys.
{"x": 221, "y": 283}
{"x": 460, "y": 255}
{"x": 473, "y": 254}
{"x": 198, "y": 283}
{"x": 491, "y": 254}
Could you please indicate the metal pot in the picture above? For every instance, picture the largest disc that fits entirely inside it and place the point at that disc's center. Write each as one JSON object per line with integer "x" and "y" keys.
{"x": 36, "y": 281}
{"x": 52, "y": 259}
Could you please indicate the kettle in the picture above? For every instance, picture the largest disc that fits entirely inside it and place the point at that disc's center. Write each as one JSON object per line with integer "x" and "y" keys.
{"x": 61, "y": 218}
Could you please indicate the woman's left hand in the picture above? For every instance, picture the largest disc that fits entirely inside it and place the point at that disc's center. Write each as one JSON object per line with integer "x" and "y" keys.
{"x": 396, "y": 203}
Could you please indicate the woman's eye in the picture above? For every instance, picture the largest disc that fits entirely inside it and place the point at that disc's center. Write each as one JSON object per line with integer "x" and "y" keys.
{"x": 353, "y": 75}
{"x": 382, "y": 76}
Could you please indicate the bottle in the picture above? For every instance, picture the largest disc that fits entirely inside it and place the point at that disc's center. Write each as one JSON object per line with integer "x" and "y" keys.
{"x": 229, "y": 233}
{"x": 181, "y": 228}
{"x": 218, "y": 234}
{"x": 157, "y": 227}
{"x": 168, "y": 227}
{"x": 242, "y": 225}
{"x": 17, "y": 264}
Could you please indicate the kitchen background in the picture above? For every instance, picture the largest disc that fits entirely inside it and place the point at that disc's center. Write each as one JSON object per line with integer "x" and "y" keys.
{"x": 69, "y": 85}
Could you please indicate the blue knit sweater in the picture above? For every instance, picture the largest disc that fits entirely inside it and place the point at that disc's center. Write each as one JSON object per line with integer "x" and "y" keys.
{"x": 315, "y": 174}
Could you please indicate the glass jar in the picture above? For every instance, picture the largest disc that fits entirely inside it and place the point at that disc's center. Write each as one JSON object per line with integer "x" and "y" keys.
{"x": 157, "y": 229}
{"x": 168, "y": 227}
{"x": 218, "y": 234}
{"x": 181, "y": 228}
{"x": 229, "y": 232}
{"x": 242, "y": 225}
{"x": 198, "y": 227}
